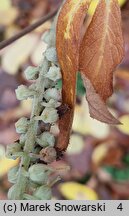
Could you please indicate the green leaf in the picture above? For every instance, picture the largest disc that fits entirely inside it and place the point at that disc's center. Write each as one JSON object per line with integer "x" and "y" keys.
{"x": 80, "y": 87}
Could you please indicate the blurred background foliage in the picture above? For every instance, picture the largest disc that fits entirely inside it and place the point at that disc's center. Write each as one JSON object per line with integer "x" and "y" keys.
{"x": 98, "y": 154}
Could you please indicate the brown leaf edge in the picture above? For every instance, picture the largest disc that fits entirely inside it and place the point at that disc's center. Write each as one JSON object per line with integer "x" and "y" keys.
{"x": 97, "y": 108}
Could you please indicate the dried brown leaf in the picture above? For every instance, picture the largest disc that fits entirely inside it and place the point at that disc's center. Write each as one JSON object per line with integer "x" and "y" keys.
{"x": 97, "y": 107}
{"x": 96, "y": 55}
{"x": 100, "y": 52}
{"x": 102, "y": 47}
{"x": 69, "y": 27}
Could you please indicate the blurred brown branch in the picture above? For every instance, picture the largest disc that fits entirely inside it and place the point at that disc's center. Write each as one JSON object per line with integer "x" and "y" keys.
{"x": 28, "y": 29}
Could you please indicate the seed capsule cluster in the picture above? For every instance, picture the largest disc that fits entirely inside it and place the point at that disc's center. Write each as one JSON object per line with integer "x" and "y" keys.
{"x": 35, "y": 147}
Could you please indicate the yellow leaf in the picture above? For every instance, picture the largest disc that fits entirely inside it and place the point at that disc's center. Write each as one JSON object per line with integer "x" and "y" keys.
{"x": 76, "y": 191}
{"x": 17, "y": 53}
{"x": 121, "y": 2}
{"x": 8, "y": 16}
{"x": 76, "y": 145}
{"x": 99, "y": 153}
{"x": 5, "y": 4}
{"x": 124, "y": 128}
{"x": 37, "y": 54}
{"x": 10, "y": 31}
{"x": 85, "y": 125}
{"x": 6, "y": 164}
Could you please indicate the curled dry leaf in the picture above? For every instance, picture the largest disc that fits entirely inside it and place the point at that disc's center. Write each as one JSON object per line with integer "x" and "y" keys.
{"x": 69, "y": 27}
{"x": 97, "y": 107}
{"x": 101, "y": 51}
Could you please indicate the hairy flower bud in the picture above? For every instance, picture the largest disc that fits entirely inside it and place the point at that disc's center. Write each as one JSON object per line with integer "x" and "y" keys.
{"x": 54, "y": 73}
{"x": 51, "y": 54}
{"x": 22, "y": 92}
{"x": 31, "y": 73}
{"x": 22, "y": 125}
{"x": 12, "y": 174}
{"x": 13, "y": 151}
{"x": 52, "y": 93}
{"x": 49, "y": 115}
{"x": 48, "y": 154}
{"x": 52, "y": 103}
{"x": 43, "y": 193}
{"x": 39, "y": 173}
{"x": 46, "y": 139}
{"x": 12, "y": 193}
{"x": 49, "y": 37}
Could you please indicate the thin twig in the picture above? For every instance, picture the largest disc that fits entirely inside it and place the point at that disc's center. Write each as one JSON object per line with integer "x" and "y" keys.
{"x": 28, "y": 29}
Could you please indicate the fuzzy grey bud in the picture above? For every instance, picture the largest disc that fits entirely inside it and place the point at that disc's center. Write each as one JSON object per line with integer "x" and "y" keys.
{"x": 12, "y": 174}
{"x": 22, "y": 125}
{"x": 52, "y": 103}
{"x": 13, "y": 151}
{"x": 12, "y": 193}
{"x": 51, "y": 54}
{"x": 31, "y": 73}
{"x": 39, "y": 173}
{"x": 49, "y": 37}
{"x": 48, "y": 154}
{"x": 46, "y": 139}
{"x": 43, "y": 193}
{"x": 22, "y": 92}
{"x": 54, "y": 73}
{"x": 49, "y": 115}
{"x": 52, "y": 93}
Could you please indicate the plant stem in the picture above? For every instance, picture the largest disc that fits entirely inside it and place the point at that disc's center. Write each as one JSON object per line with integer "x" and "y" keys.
{"x": 46, "y": 99}
{"x": 31, "y": 133}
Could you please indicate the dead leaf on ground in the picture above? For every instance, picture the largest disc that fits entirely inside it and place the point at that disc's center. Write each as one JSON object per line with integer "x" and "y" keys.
{"x": 8, "y": 84}
{"x": 121, "y": 189}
